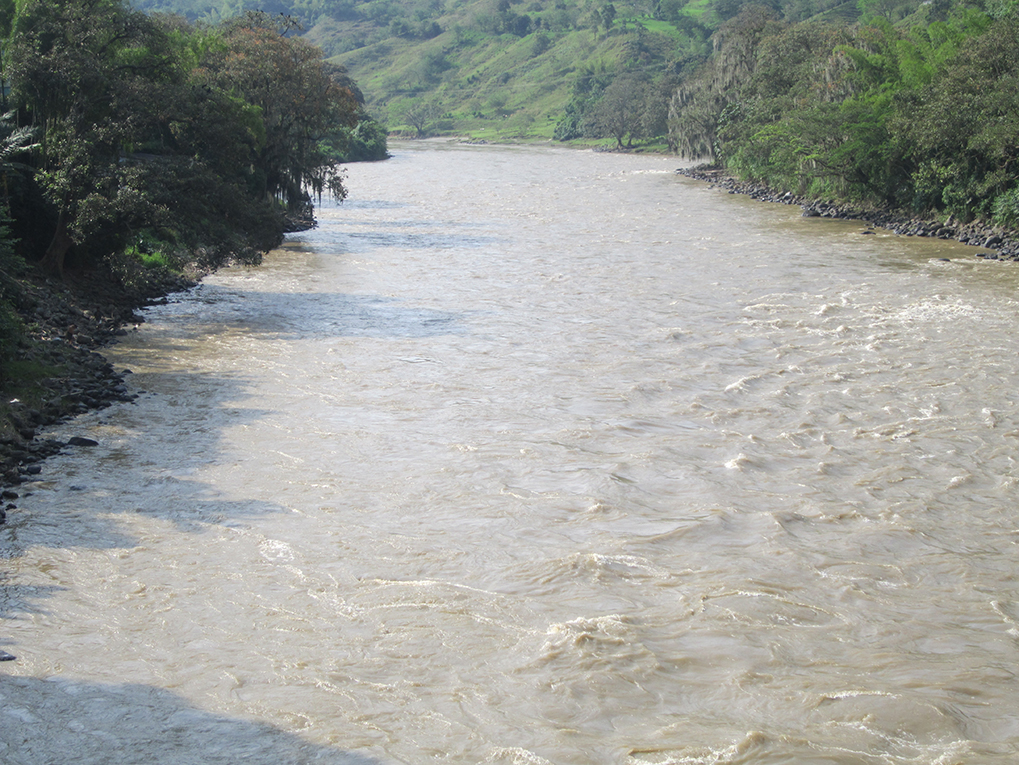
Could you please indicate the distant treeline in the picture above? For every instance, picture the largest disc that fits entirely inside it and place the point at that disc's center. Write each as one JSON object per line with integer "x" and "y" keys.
{"x": 154, "y": 139}
{"x": 919, "y": 116}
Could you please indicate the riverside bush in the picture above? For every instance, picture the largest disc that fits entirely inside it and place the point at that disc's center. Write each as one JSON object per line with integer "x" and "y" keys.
{"x": 1006, "y": 208}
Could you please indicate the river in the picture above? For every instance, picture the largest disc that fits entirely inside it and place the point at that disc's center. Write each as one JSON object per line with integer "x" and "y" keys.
{"x": 526, "y": 456}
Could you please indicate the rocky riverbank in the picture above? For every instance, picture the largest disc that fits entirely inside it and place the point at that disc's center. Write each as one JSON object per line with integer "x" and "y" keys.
{"x": 57, "y": 371}
{"x": 996, "y": 243}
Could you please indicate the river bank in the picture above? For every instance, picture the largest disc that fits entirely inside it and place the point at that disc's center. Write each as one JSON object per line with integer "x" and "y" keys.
{"x": 57, "y": 370}
{"x": 996, "y": 243}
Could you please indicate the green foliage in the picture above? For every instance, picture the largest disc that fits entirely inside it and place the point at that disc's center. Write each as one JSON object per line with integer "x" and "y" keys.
{"x": 208, "y": 136}
{"x": 14, "y": 141}
{"x": 366, "y": 142}
{"x": 11, "y": 329}
{"x": 458, "y": 53}
{"x": 8, "y": 10}
{"x": 299, "y": 100}
{"x": 922, "y": 115}
{"x": 1006, "y": 208}
{"x": 420, "y": 115}
{"x": 895, "y": 10}
{"x": 960, "y": 132}
{"x": 697, "y": 107}
{"x": 151, "y": 251}
{"x": 620, "y": 111}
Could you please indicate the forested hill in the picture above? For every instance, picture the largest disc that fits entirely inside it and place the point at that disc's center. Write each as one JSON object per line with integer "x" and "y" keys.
{"x": 893, "y": 102}
{"x": 517, "y": 68}
{"x": 920, "y": 116}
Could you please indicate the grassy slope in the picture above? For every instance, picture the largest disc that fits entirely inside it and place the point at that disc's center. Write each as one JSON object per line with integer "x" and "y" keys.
{"x": 493, "y": 86}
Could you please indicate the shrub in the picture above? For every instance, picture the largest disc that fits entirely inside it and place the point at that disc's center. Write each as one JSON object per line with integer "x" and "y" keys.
{"x": 1006, "y": 208}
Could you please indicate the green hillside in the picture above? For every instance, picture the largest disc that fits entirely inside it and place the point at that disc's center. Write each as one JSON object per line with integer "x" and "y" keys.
{"x": 476, "y": 78}
{"x": 505, "y": 69}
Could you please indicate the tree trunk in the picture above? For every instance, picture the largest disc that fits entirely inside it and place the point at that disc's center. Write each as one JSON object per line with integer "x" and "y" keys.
{"x": 53, "y": 261}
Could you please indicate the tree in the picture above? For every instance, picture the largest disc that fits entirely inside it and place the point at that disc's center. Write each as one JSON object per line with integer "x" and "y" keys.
{"x": 655, "y": 114}
{"x": 621, "y": 110}
{"x": 202, "y": 137}
{"x": 960, "y": 132}
{"x": 14, "y": 141}
{"x": 701, "y": 102}
{"x": 695, "y": 112}
{"x": 608, "y": 15}
{"x": 300, "y": 99}
{"x": 365, "y": 143}
{"x": 77, "y": 68}
{"x": 419, "y": 115}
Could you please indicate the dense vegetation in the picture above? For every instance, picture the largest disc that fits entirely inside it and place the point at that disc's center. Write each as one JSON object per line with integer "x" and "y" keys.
{"x": 921, "y": 115}
{"x": 498, "y": 69}
{"x": 132, "y": 139}
{"x": 896, "y": 102}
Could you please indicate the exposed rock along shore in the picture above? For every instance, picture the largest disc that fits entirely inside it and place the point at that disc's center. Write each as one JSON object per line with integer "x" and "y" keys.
{"x": 67, "y": 323}
{"x": 997, "y": 243}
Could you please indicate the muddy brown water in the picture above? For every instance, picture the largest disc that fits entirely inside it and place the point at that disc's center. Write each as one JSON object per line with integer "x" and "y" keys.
{"x": 531, "y": 456}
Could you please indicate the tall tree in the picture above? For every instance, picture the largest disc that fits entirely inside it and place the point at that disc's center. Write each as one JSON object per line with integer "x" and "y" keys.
{"x": 701, "y": 102}
{"x": 620, "y": 112}
{"x": 203, "y": 136}
{"x": 301, "y": 101}
{"x": 77, "y": 67}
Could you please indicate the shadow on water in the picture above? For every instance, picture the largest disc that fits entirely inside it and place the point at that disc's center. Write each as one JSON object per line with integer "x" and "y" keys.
{"x": 159, "y": 445}
{"x": 53, "y": 720}
{"x": 79, "y": 502}
{"x": 15, "y": 598}
{"x": 155, "y": 447}
{"x": 363, "y": 204}
{"x": 320, "y": 314}
{"x": 342, "y": 315}
{"x": 359, "y": 241}
{"x": 359, "y": 234}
